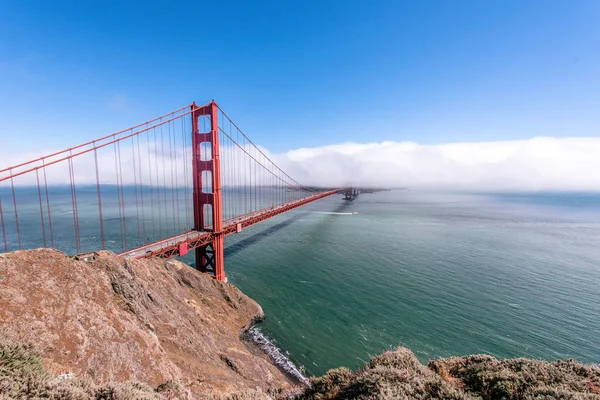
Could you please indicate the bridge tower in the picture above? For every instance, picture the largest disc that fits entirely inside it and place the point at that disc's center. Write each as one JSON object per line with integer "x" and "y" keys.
{"x": 208, "y": 201}
{"x": 350, "y": 194}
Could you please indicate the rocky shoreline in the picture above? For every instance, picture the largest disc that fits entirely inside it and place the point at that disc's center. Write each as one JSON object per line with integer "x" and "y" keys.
{"x": 275, "y": 353}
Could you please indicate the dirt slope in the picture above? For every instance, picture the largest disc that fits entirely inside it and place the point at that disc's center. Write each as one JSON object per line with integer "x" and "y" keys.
{"x": 114, "y": 319}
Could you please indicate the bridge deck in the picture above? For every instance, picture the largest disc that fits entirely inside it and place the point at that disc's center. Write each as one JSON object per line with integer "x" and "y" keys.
{"x": 173, "y": 246}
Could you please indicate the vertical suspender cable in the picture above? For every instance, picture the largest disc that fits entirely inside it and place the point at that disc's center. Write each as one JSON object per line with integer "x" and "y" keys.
{"x": 151, "y": 183}
{"x": 175, "y": 230}
{"x": 185, "y": 174}
{"x": 164, "y": 171}
{"x": 119, "y": 197}
{"x": 37, "y": 176}
{"x": 74, "y": 204}
{"x": 157, "y": 186}
{"x": 135, "y": 188}
{"x": 12, "y": 183}
{"x": 122, "y": 197}
{"x": 99, "y": 198}
{"x": 3, "y": 227}
{"x": 48, "y": 206}
{"x": 175, "y": 160}
{"x": 145, "y": 238}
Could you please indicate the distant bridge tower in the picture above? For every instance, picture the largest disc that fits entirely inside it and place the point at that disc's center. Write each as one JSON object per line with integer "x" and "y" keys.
{"x": 210, "y": 257}
{"x": 351, "y": 193}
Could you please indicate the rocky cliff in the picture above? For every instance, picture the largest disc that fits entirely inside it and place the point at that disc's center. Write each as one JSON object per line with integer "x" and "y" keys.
{"x": 114, "y": 319}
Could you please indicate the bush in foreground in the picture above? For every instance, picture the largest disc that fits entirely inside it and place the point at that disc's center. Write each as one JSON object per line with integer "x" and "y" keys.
{"x": 398, "y": 374}
{"x": 489, "y": 378}
{"x": 391, "y": 375}
{"x": 23, "y": 376}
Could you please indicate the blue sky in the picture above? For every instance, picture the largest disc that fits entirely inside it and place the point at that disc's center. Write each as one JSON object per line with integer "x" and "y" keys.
{"x": 302, "y": 74}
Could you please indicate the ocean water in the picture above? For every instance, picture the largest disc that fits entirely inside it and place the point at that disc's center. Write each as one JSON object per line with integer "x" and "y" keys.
{"x": 511, "y": 275}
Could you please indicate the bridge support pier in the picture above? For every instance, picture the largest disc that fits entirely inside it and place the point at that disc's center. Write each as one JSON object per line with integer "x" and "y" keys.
{"x": 207, "y": 256}
{"x": 208, "y": 202}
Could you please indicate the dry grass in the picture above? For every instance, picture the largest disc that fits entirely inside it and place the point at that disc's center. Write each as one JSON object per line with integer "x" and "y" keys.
{"x": 23, "y": 376}
{"x": 399, "y": 375}
{"x": 520, "y": 379}
{"x": 391, "y": 375}
{"x": 251, "y": 394}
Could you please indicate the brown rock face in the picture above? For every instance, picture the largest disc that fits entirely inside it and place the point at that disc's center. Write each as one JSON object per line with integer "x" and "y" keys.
{"x": 114, "y": 319}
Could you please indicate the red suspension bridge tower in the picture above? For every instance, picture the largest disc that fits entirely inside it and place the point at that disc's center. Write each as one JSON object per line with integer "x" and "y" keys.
{"x": 209, "y": 257}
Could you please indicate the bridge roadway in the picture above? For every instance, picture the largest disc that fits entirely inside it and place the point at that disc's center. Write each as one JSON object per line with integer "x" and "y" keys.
{"x": 180, "y": 244}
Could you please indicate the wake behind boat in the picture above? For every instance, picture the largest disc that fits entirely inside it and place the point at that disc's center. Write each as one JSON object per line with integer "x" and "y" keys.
{"x": 335, "y": 213}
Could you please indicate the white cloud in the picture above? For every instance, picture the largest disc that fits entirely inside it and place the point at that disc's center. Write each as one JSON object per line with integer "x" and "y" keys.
{"x": 542, "y": 163}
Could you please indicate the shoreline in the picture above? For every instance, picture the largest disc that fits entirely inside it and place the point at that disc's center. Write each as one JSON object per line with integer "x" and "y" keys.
{"x": 263, "y": 344}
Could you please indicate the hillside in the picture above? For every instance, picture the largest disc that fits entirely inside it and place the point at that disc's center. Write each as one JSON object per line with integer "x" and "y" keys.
{"x": 114, "y": 320}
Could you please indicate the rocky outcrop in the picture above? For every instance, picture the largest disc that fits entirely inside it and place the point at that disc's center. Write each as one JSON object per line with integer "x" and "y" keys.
{"x": 114, "y": 319}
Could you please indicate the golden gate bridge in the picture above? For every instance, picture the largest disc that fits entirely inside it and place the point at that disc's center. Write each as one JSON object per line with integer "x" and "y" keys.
{"x": 179, "y": 182}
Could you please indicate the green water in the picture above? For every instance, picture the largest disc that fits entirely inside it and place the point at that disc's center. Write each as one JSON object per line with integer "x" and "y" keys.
{"x": 443, "y": 274}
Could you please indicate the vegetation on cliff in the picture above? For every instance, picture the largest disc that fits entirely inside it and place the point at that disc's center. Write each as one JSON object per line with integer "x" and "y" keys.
{"x": 392, "y": 375}
{"x": 399, "y": 375}
{"x": 23, "y": 376}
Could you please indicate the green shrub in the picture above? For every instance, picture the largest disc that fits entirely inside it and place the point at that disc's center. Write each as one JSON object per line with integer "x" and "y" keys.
{"x": 22, "y": 372}
{"x": 520, "y": 379}
{"x": 392, "y": 375}
{"x": 22, "y": 376}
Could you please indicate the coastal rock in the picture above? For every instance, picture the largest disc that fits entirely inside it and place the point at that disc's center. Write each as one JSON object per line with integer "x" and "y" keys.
{"x": 114, "y": 319}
